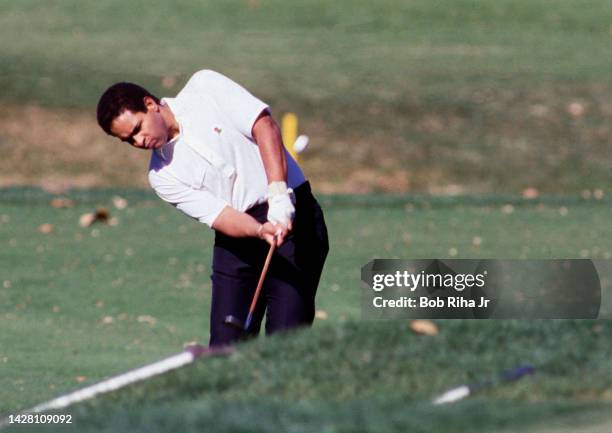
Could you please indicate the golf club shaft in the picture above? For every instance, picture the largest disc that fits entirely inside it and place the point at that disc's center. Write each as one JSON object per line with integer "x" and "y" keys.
{"x": 264, "y": 271}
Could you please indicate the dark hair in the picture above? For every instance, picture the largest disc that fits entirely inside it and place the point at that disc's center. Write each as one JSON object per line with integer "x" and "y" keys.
{"x": 118, "y": 98}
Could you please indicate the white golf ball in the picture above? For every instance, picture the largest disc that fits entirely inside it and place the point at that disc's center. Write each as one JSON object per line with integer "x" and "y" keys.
{"x": 300, "y": 143}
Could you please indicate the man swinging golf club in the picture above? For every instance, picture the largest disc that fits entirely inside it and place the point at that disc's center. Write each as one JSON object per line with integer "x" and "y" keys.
{"x": 217, "y": 155}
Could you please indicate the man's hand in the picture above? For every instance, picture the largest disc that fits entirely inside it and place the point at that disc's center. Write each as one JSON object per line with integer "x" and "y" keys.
{"x": 280, "y": 205}
{"x": 272, "y": 234}
{"x": 239, "y": 224}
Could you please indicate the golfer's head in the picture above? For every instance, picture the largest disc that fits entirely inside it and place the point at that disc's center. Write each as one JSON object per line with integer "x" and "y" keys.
{"x": 132, "y": 114}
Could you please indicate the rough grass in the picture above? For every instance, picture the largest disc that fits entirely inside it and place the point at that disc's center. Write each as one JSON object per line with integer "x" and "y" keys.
{"x": 374, "y": 377}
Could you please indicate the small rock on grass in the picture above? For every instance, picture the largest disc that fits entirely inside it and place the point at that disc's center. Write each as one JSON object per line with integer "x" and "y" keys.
{"x": 100, "y": 215}
{"x": 46, "y": 228}
{"x": 62, "y": 203}
{"x": 424, "y": 327}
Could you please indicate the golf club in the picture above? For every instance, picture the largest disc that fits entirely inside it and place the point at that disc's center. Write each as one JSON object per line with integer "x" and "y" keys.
{"x": 233, "y": 320}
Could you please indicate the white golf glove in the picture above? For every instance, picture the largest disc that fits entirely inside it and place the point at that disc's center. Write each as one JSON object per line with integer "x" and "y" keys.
{"x": 280, "y": 204}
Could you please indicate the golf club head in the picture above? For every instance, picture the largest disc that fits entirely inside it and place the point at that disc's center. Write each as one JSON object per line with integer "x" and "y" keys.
{"x": 234, "y": 321}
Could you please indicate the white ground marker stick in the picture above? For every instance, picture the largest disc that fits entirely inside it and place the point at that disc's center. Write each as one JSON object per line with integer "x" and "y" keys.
{"x": 463, "y": 391}
{"x": 190, "y": 354}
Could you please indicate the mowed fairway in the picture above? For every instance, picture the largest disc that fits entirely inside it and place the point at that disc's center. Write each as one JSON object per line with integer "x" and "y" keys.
{"x": 81, "y": 304}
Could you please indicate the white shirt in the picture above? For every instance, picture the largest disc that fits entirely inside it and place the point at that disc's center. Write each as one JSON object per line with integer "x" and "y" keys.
{"x": 214, "y": 161}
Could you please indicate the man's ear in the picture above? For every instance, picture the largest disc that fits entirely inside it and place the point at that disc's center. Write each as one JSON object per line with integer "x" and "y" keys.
{"x": 150, "y": 104}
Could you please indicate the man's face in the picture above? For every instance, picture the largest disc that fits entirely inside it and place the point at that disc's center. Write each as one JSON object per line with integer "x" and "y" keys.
{"x": 142, "y": 130}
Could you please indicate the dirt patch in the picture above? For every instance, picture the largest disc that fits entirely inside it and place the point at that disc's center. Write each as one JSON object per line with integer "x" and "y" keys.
{"x": 59, "y": 149}
{"x": 454, "y": 148}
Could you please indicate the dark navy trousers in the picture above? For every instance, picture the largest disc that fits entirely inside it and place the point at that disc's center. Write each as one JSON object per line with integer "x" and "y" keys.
{"x": 288, "y": 294}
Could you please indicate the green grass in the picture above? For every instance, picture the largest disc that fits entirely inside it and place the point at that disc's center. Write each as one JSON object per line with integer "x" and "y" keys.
{"x": 467, "y": 92}
{"x": 476, "y": 96}
{"x": 58, "y": 288}
{"x": 279, "y": 41}
{"x": 374, "y": 378}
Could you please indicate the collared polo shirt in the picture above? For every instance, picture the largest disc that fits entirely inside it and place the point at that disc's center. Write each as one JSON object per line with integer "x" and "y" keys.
{"x": 214, "y": 161}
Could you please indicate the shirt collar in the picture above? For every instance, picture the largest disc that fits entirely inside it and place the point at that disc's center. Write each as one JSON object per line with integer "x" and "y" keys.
{"x": 165, "y": 151}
